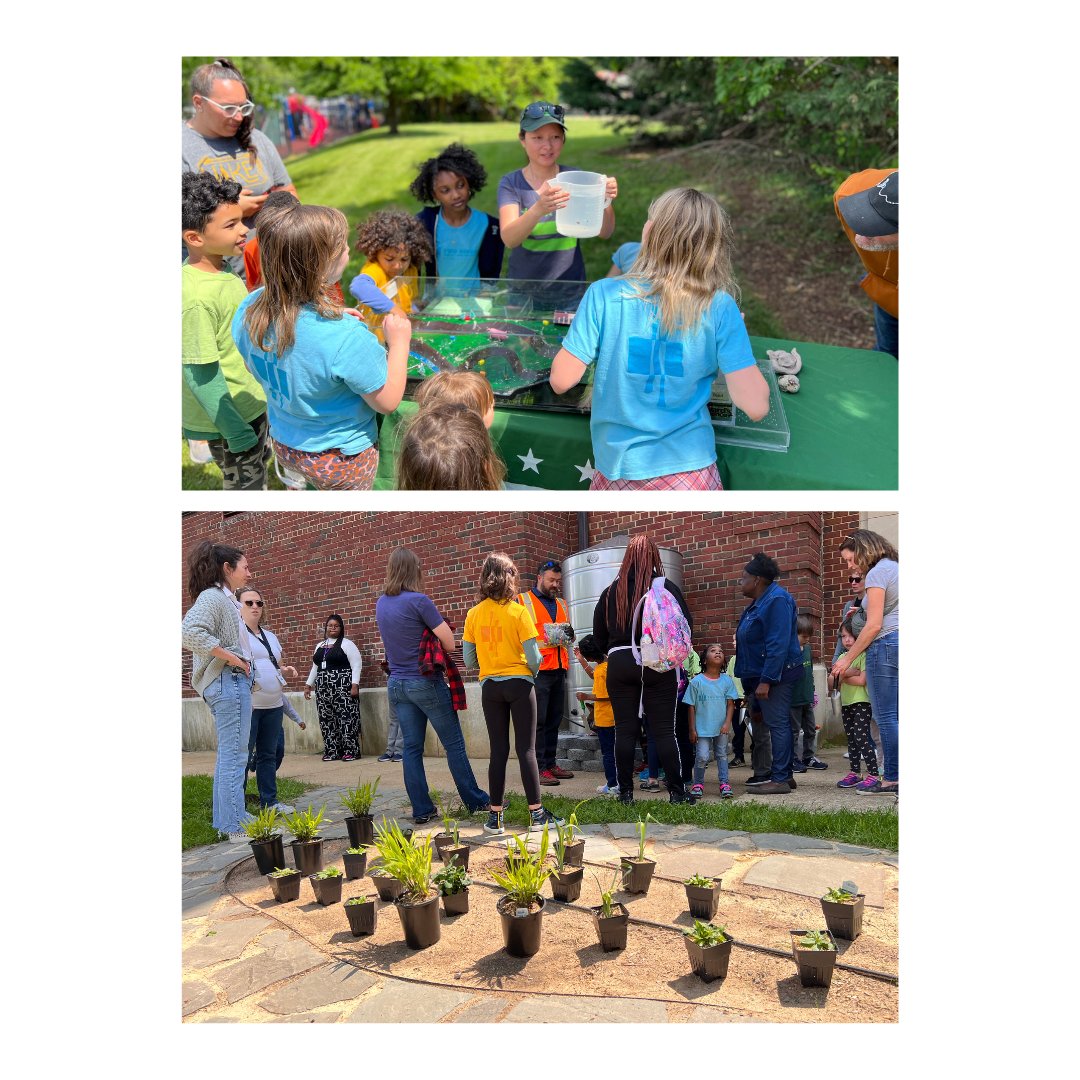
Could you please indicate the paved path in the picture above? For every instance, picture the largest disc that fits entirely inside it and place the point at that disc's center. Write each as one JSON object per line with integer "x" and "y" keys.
{"x": 242, "y": 965}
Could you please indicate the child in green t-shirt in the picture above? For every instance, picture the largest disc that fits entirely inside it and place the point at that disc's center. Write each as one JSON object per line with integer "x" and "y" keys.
{"x": 856, "y": 712}
{"x": 223, "y": 404}
{"x": 802, "y": 705}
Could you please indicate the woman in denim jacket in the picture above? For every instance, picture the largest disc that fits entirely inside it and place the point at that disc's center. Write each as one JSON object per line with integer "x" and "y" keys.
{"x": 221, "y": 671}
{"x": 768, "y": 661}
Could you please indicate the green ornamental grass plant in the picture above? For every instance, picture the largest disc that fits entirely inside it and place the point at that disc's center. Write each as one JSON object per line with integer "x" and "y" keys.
{"x": 526, "y": 872}
{"x": 358, "y": 800}
{"x": 264, "y": 826}
{"x": 408, "y": 860}
{"x": 304, "y": 825}
{"x": 607, "y": 896}
{"x": 641, "y": 827}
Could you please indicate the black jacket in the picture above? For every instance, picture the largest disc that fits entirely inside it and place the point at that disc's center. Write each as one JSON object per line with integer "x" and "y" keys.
{"x": 491, "y": 247}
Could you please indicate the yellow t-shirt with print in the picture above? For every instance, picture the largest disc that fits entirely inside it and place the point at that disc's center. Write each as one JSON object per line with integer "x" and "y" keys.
{"x": 498, "y": 631}
{"x": 603, "y": 716}
{"x": 406, "y": 290}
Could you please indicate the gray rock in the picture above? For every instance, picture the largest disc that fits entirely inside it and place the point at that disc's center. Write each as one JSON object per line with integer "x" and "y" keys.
{"x": 200, "y": 901}
{"x": 786, "y": 842}
{"x": 811, "y": 877}
{"x": 223, "y": 939}
{"x": 323, "y": 986}
{"x": 583, "y": 1010}
{"x": 693, "y": 860}
{"x": 854, "y": 852}
{"x": 624, "y": 830}
{"x": 197, "y": 995}
{"x": 213, "y": 857}
{"x": 285, "y": 955}
{"x": 710, "y": 836}
{"x": 736, "y": 843}
{"x": 406, "y": 1003}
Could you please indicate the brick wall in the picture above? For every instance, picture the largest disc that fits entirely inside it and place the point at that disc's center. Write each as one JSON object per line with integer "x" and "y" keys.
{"x": 311, "y": 564}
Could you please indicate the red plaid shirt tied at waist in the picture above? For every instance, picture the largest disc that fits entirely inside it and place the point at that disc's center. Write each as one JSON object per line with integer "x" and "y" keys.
{"x": 433, "y": 657}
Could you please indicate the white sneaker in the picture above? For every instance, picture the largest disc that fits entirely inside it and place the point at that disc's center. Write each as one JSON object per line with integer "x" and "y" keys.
{"x": 603, "y": 789}
{"x": 237, "y": 838}
{"x": 846, "y": 754}
{"x": 284, "y": 808}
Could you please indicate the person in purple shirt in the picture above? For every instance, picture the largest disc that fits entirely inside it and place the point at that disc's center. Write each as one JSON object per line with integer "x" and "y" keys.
{"x": 403, "y": 612}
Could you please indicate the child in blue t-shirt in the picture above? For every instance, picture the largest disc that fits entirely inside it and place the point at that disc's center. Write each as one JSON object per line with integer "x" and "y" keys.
{"x": 468, "y": 246}
{"x": 658, "y": 337}
{"x": 711, "y": 700}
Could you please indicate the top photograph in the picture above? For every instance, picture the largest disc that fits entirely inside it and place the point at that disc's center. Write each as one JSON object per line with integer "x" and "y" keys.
{"x": 526, "y": 273}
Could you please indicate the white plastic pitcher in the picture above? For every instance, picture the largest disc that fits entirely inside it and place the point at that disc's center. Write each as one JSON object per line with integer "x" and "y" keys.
{"x": 583, "y": 215}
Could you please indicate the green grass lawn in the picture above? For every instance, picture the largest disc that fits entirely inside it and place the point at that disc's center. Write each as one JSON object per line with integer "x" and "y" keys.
{"x": 196, "y": 807}
{"x": 869, "y": 828}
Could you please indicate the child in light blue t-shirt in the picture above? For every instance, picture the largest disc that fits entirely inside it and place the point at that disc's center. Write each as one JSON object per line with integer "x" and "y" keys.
{"x": 711, "y": 697}
{"x": 658, "y": 338}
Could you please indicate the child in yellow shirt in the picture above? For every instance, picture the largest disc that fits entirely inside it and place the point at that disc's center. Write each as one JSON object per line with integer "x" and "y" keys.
{"x": 603, "y": 717}
{"x": 500, "y": 639}
{"x": 395, "y": 244}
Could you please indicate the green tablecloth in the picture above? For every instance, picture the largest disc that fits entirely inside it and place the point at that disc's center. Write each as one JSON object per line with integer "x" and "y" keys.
{"x": 843, "y": 420}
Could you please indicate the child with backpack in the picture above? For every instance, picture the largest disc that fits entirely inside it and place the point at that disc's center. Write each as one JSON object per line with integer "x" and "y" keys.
{"x": 710, "y": 698}
{"x": 642, "y": 622}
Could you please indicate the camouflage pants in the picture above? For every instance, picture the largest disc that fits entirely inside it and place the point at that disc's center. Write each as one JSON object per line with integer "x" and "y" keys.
{"x": 245, "y": 471}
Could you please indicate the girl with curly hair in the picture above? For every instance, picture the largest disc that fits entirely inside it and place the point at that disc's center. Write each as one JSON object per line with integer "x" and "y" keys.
{"x": 468, "y": 246}
{"x": 395, "y": 245}
{"x": 325, "y": 376}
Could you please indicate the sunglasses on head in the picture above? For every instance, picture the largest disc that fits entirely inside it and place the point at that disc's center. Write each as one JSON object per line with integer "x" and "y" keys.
{"x": 543, "y": 108}
{"x": 255, "y": 603}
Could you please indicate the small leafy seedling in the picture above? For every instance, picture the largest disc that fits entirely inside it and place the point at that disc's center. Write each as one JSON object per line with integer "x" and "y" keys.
{"x": 841, "y": 894}
{"x": 641, "y": 827}
{"x": 706, "y": 934}
{"x": 607, "y": 896}
{"x": 452, "y": 879}
{"x": 356, "y": 850}
{"x": 700, "y": 881}
{"x": 815, "y": 940}
{"x": 329, "y": 872}
{"x": 282, "y": 872}
{"x": 356, "y": 900}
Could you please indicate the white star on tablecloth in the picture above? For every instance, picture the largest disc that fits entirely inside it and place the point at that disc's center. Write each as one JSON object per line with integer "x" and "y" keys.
{"x": 529, "y": 462}
{"x": 587, "y": 471}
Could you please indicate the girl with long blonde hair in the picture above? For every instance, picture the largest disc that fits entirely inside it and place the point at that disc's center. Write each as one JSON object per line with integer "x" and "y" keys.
{"x": 325, "y": 376}
{"x": 658, "y": 338}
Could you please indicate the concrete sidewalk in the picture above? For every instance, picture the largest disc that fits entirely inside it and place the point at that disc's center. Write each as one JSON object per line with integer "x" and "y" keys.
{"x": 241, "y": 965}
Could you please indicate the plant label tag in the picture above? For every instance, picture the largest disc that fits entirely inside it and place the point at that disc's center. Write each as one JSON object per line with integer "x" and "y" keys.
{"x": 522, "y": 912}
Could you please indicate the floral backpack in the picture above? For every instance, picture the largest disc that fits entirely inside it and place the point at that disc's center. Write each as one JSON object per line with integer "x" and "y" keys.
{"x": 665, "y": 633}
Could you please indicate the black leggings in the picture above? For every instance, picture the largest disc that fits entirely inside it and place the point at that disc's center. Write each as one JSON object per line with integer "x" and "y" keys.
{"x": 629, "y": 685}
{"x": 507, "y": 700}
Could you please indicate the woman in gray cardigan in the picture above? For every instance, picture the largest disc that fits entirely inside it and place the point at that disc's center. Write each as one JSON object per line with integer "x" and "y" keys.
{"x": 221, "y": 671}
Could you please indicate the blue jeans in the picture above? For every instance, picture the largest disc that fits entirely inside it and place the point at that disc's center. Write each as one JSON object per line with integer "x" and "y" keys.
{"x": 718, "y": 744}
{"x": 883, "y": 686}
{"x": 229, "y": 698}
{"x": 606, "y": 735}
{"x": 263, "y": 742}
{"x": 776, "y": 715}
{"x": 416, "y": 701}
{"x": 887, "y": 330}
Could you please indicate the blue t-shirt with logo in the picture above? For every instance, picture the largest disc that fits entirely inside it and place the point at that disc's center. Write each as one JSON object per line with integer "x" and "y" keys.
{"x": 709, "y": 698}
{"x": 651, "y": 390}
{"x": 457, "y": 247}
{"x": 313, "y": 391}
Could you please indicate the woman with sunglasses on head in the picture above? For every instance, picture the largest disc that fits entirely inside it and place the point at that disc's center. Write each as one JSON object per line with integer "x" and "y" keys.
{"x": 267, "y": 699}
{"x": 871, "y": 555}
{"x": 335, "y": 678}
{"x": 528, "y": 201}
{"x": 220, "y": 139}
{"x": 215, "y": 635}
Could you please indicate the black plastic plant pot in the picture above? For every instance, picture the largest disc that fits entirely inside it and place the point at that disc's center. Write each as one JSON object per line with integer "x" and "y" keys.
{"x": 703, "y": 899}
{"x": 361, "y": 918}
{"x": 566, "y": 884}
{"x": 389, "y": 888}
{"x": 612, "y": 930}
{"x": 844, "y": 920}
{"x": 361, "y": 830}
{"x": 355, "y": 865}
{"x": 307, "y": 856}
{"x": 575, "y": 853}
{"x": 521, "y": 933}
{"x": 637, "y": 874}
{"x": 420, "y": 921}
{"x": 709, "y": 962}
{"x": 287, "y": 887}
{"x": 440, "y": 841}
{"x": 458, "y": 853}
{"x": 327, "y": 889}
{"x": 456, "y": 903}
{"x": 269, "y": 854}
{"x": 815, "y": 965}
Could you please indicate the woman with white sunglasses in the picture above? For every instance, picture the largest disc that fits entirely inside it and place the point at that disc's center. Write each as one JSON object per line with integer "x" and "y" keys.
{"x": 220, "y": 139}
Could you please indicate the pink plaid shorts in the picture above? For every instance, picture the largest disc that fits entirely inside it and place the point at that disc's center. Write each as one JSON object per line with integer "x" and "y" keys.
{"x": 696, "y": 480}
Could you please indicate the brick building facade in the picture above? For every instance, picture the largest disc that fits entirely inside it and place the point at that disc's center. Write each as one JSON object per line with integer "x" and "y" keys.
{"x": 312, "y": 564}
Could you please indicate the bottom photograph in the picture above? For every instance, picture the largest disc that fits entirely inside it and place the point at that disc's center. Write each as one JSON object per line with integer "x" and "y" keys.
{"x": 544, "y": 767}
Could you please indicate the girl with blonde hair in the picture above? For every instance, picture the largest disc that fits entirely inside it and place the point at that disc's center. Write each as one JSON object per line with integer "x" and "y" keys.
{"x": 659, "y": 337}
{"x": 325, "y": 376}
{"x": 500, "y": 639}
{"x": 468, "y": 388}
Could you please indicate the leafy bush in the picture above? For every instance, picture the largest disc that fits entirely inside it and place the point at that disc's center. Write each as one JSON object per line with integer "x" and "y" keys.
{"x": 451, "y": 879}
